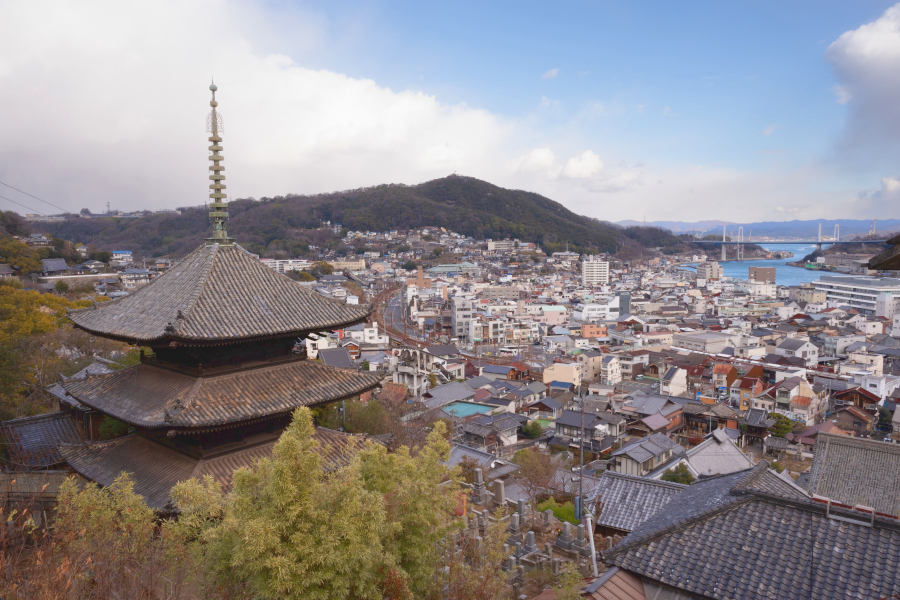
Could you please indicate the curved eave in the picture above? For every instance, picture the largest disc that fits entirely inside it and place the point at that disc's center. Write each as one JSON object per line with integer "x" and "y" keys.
{"x": 187, "y": 429}
{"x": 169, "y": 340}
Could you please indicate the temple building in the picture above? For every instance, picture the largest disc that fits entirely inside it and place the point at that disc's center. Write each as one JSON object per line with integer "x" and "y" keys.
{"x": 223, "y": 377}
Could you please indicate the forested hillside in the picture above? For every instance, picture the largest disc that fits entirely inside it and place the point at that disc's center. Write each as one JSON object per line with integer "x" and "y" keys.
{"x": 285, "y": 224}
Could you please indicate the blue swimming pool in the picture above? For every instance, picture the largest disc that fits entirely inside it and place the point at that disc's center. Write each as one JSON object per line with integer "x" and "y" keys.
{"x": 465, "y": 409}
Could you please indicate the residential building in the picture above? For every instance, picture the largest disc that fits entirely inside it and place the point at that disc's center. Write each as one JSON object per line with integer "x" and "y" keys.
{"x": 563, "y": 372}
{"x": 644, "y": 455}
{"x": 708, "y": 342}
{"x": 610, "y": 370}
{"x": 710, "y": 271}
{"x": 762, "y": 274}
{"x": 597, "y": 311}
{"x": 460, "y": 317}
{"x": 594, "y": 271}
{"x": 800, "y": 348}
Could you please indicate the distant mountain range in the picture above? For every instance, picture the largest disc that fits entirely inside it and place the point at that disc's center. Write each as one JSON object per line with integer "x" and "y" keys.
{"x": 776, "y": 229}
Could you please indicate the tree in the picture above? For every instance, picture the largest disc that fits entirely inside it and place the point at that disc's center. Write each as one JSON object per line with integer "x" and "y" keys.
{"x": 437, "y": 252}
{"x": 777, "y": 466}
{"x": 409, "y": 265}
{"x": 403, "y": 248}
{"x": 782, "y": 426}
{"x": 361, "y": 250}
{"x": 290, "y": 529}
{"x": 20, "y": 256}
{"x": 61, "y": 287}
{"x": 536, "y": 470}
{"x": 12, "y": 223}
{"x": 532, "y": 430}
{"x": 102, "y": 256}
{"x": 679, "y": 474}
{"x": 321, "y": 268}
{"x": 885, "y": 417}
{"x": 301, "y": 275}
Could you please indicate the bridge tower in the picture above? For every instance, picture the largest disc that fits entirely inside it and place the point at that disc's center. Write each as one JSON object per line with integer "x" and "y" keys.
{"x": 819, "y": 239}
{"x": 740, "y": 241}
{"x": 837, "y": 232}
{"x": 724, "y": 228}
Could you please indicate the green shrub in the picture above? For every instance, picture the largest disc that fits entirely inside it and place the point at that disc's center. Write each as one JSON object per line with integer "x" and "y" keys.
{"x": 679, "y": 474}
{"x": 563, "y": 512}
{"x": 777, "y": 466}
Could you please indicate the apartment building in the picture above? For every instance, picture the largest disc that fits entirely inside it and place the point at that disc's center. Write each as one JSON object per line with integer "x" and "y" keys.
{"x": 501, "y": 292}
{"x": 710, "y": 271}
{"x": 595, "y": 272}
{"x": 286, "y": 265}
{"x": 460, "y": 317}
{"x": 591, "y": 312}
{"x": 762, "y": 274}
{"x": 610, "y": 370}
{"x": 872, "y": 296}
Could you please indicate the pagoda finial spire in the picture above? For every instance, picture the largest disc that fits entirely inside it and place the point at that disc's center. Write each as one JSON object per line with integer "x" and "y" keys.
{"x": 218, "y": 213}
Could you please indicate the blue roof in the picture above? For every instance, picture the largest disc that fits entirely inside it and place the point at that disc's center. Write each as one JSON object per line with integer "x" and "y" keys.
{"x": 560, "y": 384}
{"x": 498, "y": 369}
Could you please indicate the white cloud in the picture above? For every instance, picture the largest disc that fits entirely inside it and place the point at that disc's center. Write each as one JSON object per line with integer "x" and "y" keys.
{"x": 539, "y": 159}
{"x": 866, "y": 61}
{"x": 769, "y": 130}
{"x": 667, "y": 111}
{"x": 105, "y": 103}
{"x": 583, "y": 166}
{"x": 551, "y": 74}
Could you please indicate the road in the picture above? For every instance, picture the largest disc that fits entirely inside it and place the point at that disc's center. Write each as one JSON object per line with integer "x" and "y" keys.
{"x": 393, "y": 320}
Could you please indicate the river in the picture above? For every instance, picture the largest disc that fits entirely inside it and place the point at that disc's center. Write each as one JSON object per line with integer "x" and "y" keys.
{"x": 785, "y": 274}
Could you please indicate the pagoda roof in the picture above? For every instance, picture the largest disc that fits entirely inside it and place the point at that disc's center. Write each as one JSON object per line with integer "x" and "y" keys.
{"x": 155, "y": 468}
{"x": 152, "y": 396}
{"x": 216, "y": 294}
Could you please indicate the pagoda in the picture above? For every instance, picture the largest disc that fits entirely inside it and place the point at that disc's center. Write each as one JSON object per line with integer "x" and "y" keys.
{"x": 223, "y": 378}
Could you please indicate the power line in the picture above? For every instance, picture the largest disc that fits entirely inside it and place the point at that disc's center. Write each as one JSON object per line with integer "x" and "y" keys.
{"x": 23, "y": 206}
{"x": 35, "y": 197}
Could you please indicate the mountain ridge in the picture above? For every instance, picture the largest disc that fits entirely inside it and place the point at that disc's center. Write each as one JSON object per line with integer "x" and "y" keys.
{"x": 463, "y": 204}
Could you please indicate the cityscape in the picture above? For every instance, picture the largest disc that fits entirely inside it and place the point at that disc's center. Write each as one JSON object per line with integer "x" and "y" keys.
{"x": 486, "y": 382}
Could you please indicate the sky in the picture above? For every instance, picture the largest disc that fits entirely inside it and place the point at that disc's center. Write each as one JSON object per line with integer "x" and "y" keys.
{"x": 657, "y": 110}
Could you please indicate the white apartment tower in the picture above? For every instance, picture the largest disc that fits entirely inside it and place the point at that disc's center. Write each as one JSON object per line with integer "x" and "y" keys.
{"x": 594, "y": 271}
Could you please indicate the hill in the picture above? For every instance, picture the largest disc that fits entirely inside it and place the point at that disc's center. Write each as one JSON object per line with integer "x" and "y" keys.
{"x": 287, "y": 224}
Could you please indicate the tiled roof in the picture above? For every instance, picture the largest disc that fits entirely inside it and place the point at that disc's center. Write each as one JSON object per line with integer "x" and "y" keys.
{"x": 753, "y": 535}
{"x": 757, "y": 417}
{"x": 156, "y": 468}
{"x": 857, "y": 471}
{"x": 648, "y": 447}
{"x": 717, "y": 455}
{"x": 627, "y": 500}
{"x": 152, "y": 396}
{"x": 217, "y": 293}
{"x": 33, "y": 441}
{"x": 54, "y": 264}
{"x": 336, "y": 357}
